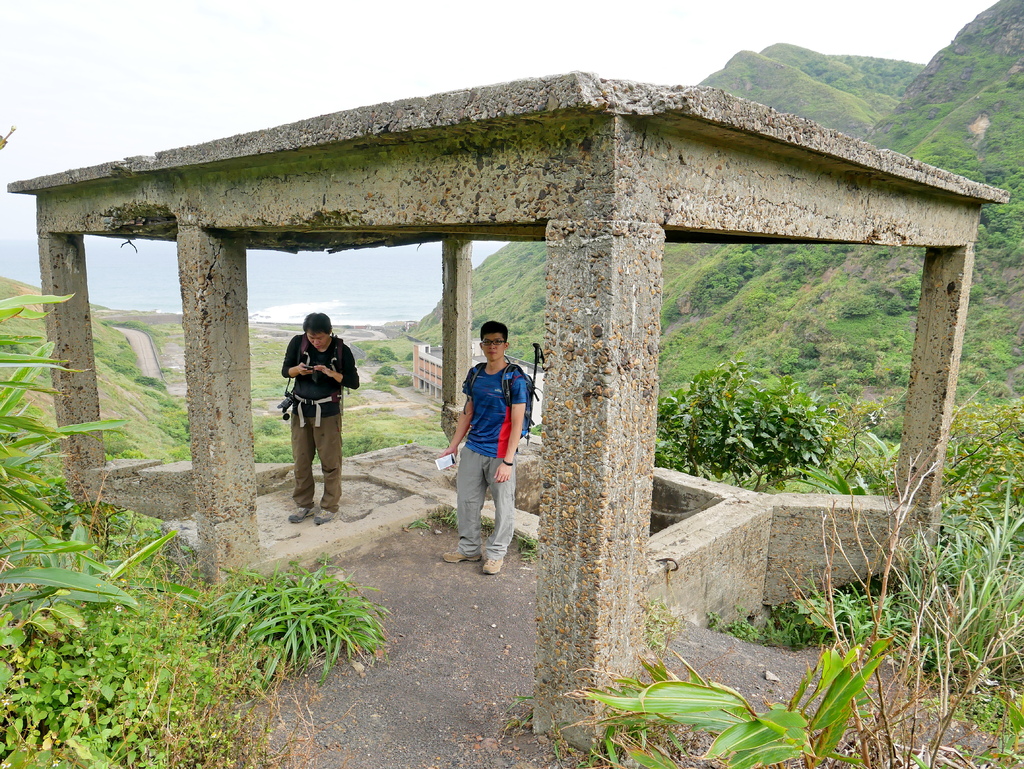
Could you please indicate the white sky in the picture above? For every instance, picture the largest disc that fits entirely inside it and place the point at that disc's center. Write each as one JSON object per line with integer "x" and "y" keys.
{"x": 89, "y": 82}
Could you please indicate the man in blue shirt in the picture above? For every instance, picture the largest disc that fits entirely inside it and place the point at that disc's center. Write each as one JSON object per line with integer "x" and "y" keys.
{"x": 492, "y": 429}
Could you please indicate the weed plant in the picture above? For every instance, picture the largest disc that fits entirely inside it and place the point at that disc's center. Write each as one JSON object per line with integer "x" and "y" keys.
{"x": 299, "y": 618}
{"x": 448, "y": 516}
{"x": 952, "y": 610}
{"x": 135, "y": 687}
{"x": 660, "y": 625}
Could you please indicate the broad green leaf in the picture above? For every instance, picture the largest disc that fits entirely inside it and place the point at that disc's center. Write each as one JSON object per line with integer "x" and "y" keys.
{"x": 89, "y": 427}
{"x": 753, "y": 744}
{"x": 18, "y": 302}
{"x": 769, "y": 755}
{"x": 15, "y": 551}
{"x": 64, "y": 578}
{"x": 784, "y": 721}
{"x": 655, "y": 759}
{"x": 43, "y": 622}
{"x": 68, "y": 614}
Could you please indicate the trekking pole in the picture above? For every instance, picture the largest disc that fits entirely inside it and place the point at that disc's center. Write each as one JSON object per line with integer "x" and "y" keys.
{"x": 538, "y": 354}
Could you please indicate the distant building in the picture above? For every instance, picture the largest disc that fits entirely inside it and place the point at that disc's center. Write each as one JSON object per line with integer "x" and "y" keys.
{"x": 426, "y": 374}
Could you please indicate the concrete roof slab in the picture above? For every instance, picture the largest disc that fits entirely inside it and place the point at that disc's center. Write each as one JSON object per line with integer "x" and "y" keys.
{"x": 702, "y": 110}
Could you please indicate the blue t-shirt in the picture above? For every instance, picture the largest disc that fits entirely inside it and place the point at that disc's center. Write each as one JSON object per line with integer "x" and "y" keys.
{"x": 491, "y": 426}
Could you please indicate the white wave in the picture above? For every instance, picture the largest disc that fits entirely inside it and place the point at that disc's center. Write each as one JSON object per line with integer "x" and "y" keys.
{"x": 296, "y": 313}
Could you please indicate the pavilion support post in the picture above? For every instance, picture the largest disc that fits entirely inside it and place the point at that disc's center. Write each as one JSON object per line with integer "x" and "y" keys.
{"x": 69, "y": 326}
{"x": 456, "y": 304}
{"x": 215, "y": 322}
{"x": 602, "y": 335}
{"x": 934, "y": 367}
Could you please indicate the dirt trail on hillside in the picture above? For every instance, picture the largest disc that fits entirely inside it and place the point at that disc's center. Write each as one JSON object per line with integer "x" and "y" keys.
{"x": 460, "y": 663}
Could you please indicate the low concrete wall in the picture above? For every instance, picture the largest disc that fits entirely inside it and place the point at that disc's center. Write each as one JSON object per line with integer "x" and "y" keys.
{"x": 816, "y": 534}
{"x": 152, "y": 488}
{"x": 743, "y": 551}
{"x": 714, "y": 548}
{"x": 715, "y": 558}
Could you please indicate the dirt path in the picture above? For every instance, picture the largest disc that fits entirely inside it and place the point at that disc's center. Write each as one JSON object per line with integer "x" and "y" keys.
{"x": 460, "y": 657}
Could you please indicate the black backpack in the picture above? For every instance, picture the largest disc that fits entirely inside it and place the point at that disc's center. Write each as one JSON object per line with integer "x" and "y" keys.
{"x": 506, "y": 385}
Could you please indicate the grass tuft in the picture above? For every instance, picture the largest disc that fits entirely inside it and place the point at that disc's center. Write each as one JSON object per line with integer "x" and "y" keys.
{"x": 300, "y": 618}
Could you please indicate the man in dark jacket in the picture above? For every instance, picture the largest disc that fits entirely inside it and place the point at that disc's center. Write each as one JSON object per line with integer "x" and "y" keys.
{"x": 320, "y": 363}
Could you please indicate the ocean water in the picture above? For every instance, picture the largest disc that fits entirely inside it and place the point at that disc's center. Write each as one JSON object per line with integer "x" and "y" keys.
{"x": 355, "y": 288}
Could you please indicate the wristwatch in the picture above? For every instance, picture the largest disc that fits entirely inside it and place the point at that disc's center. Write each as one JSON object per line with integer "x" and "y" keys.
{"x": 507, "y": 463}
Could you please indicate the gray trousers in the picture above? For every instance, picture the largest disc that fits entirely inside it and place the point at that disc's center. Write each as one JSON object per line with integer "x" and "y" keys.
{"x": 475, "y": 477}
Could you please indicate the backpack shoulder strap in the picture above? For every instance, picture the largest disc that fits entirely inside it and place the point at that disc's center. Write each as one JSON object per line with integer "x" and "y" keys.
{"x": 506, "y": 382}
{"x": 472, "y": 375}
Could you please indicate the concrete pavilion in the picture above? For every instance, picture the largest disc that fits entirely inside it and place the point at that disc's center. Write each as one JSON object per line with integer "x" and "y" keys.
{"x": 605, "y": 172}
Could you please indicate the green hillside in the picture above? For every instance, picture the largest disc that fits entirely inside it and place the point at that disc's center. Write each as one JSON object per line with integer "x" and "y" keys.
{"x": 508, "y": 286}
{"x": 964, "y": 112}
{"x": 848, "y": 93}
{"x": 842, "y": 316}
{"x": 158, "y": 422}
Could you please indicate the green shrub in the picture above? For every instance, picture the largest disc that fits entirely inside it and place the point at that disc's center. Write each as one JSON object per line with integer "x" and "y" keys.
{"x": 985, "y": 456}
{"x": 149, "y": 381}
{"x": 725, "y": 423}
{"x": 133, "y": 688}
{"x": 174, "y": 422}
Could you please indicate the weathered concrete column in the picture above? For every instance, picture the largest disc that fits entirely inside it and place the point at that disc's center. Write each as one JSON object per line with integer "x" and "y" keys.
{"x": 456, "y": 306}
{"x": 934, "y": 367}
{"x": 216, "y": 325}
{"x": 602, "y": 333}
{"x": 69, "y": 326}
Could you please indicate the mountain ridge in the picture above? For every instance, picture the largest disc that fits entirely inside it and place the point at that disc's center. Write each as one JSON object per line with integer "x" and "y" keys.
{"x": 841, "y": 317}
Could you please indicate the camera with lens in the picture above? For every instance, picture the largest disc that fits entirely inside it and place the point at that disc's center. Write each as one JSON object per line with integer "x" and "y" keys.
{"x": 286, "y": 405}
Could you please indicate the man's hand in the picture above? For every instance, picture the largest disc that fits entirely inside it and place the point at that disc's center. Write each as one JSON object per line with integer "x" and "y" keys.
{"x": 503, "y": 473}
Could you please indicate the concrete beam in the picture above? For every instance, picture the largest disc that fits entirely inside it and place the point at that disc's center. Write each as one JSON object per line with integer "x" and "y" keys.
{"x": 516, "y": 177}
{"x": 603, "y": 328}
{"x": 216, "y": 325}
{"x": 457, "y": 315}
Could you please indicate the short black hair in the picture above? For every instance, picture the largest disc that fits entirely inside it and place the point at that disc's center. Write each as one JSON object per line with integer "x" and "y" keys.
{"x": 318, "y": 323}
{"x": 494, "y": 327}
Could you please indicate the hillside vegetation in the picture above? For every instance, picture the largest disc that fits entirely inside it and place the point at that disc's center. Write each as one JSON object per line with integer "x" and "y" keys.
{"x": 158, "y": 421}
{"x": 840, "y": 316}
{"x": 848, "y": 93}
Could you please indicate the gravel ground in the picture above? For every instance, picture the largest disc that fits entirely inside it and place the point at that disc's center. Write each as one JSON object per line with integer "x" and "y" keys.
{"x": 460, "y": 657}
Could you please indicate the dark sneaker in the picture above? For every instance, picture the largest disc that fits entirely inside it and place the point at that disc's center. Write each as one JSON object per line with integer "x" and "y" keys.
{"x": 493, "y": 565}
{"x": 324, "y": 516}
{"x": 300, "y": 515}
{"x": 459, "y": 557}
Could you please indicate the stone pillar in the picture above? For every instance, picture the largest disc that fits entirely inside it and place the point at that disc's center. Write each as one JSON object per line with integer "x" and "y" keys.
{"x": 934, "y": 366}
{"x": 601, "y": 389}
{"x": 456, "y": 305}
{"x": 69, "y": 326}
{"x": 216, "y": 325}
